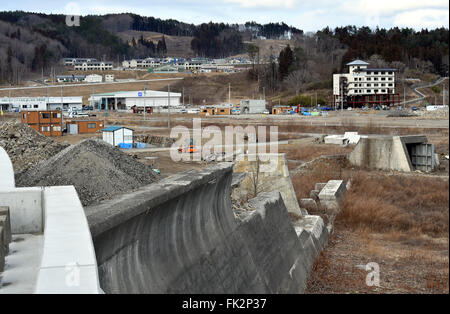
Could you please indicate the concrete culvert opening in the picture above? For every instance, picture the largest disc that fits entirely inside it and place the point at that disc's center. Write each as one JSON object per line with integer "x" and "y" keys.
{"x": 399, "y": 153}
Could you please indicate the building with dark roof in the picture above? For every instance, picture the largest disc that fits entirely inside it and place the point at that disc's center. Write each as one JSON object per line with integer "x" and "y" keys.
{"x": 365, "y": 86}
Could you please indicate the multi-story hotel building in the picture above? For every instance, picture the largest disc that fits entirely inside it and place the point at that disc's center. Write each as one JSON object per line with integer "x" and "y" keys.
{"x": 365, "y": 86}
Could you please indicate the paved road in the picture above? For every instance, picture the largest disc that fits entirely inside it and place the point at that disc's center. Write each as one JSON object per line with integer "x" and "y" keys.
{"x": 88, "y": 84}
{"x": 338, "y": 119}
{"x": 422, "y": 96}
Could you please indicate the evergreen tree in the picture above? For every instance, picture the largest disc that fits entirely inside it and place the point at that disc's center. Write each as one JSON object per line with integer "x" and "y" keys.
{"x": 285, "y": 61}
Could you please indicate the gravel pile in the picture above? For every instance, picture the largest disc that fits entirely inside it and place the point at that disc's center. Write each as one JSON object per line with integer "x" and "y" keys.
{"x": 25, "y": 146}
{"x": 96, "y": 169}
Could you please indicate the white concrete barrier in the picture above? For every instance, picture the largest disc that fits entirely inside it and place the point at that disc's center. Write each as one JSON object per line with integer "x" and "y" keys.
{"x": 6, "y": 171}
{"x": 56, "y": 218}
{"x": 25, "y": 207}
{"x": 68, "y": 262}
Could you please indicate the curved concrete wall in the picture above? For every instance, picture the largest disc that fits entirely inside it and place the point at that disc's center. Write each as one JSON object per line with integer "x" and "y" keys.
{"x": 6, "y": 171}
{"x": 63, "y": 260}
{"x": 180, "y": 236}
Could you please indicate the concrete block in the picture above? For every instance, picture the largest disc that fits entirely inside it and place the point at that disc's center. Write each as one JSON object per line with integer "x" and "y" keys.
{"x": 319, "y": 186}
{"x": 304, "y": 211}
{"x": 314, "y": 194}
{"x": 336, "y": 139}
{"x": 352, "y": 137}
{"x": 6, "y": 236}
{"x": 437, "y": 162}
{"x": 333, "y": 191}
{"x": 277, "y": 179}
{"x": 308, "y": 203}
{"x": 5, "y": 222}
{"x": 25, "y": 208}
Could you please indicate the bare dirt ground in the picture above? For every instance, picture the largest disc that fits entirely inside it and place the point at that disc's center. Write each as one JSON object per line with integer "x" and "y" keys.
{"x": 407, "y": 263}
{"x": 399, "y": 221}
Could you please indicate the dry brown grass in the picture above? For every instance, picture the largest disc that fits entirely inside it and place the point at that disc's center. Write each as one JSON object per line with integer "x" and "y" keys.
{"x": 405, "y": 266}
{"x": 347, "y": 125}
{"x": 397, "y": 203}
{"x": 320, "y": 171}
{"x": 310, "y": 152}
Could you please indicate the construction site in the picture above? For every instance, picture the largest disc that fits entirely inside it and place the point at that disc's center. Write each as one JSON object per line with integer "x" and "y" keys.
{"x": 304, "y": 212}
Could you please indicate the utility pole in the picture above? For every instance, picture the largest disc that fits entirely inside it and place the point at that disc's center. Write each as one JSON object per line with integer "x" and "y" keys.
{"x": 183, "y": 96}
{"x": 443, "y": 94}
{"x": 229, "y": 93}
{"x": 62, "y": 106}
{"x": 404, "y": 95}
{"x": 168, "y": 107}
{"x": 316, "y": 99}
{"x": 145, "y": 97}
{"x": 264, "y": 92}
{"x": 92, "y": 97}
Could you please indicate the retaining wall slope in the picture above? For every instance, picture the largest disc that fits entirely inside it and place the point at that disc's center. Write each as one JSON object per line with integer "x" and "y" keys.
{"x": 180, "y": 236}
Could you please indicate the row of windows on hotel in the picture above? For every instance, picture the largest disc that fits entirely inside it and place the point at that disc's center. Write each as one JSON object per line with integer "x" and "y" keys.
{"x": 375, "y": 85}
{"x": 375, "y": 79}
{"x": 360, "y": 91}
{"x": 381, "y": 73}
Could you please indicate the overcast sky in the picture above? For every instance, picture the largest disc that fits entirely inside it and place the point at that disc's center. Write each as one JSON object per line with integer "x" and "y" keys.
{"x": 309, "y": 15}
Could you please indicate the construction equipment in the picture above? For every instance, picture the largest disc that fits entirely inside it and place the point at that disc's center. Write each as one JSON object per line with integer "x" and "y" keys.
{"x": 189, "y": 149}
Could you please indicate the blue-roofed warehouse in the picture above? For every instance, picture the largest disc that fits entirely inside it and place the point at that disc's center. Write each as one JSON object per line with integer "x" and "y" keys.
{"x": 116, "y": 135}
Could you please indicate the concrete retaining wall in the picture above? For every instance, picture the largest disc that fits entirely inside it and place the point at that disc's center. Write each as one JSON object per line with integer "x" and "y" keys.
{"x": 276, "y": 179}
{"x": 179, "y": 235}
{"x": 25, "y": 209}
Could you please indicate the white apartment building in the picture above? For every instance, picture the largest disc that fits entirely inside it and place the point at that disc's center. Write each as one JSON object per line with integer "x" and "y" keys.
{"x": 93, "y": 65}
{"x": 140, "y": 63}
{"x": 365, "y": 86}
{"x": 192, "y": 65}
{"x": 109, "y": 78}
{"x": 72, "y": 61}
{"x": 94, "y": 78}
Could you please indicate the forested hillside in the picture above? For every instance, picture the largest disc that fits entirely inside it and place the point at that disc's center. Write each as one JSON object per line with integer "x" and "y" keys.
{"x": 33, "y": 43}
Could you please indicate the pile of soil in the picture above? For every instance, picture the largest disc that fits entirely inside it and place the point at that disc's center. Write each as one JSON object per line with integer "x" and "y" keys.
{"x": 25, "y": 146}
{"x": 96, "y": 169}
